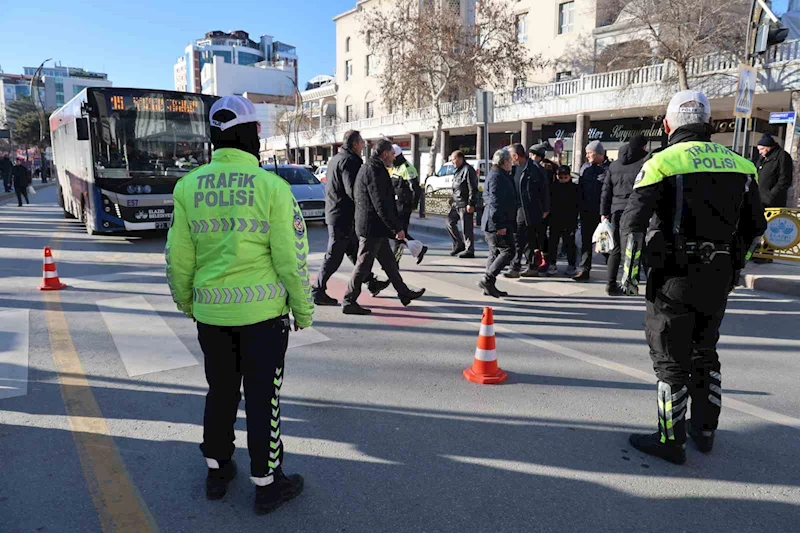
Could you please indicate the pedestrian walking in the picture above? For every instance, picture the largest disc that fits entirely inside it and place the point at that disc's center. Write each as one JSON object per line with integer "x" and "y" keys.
{"x": 499, "y": 221}
{"x": 563, "y": 220}
{"x": 239, "y": 286}
{"x": 590, "y": 187}
{"x": 617, "y": 188}
{"x": 533, "y": 205}
{"x": 538, "y": 152}
{"x": 376, "y": 222}
{"x": 340, "y": 212}
{"x": 775, "y": 171}
{"x": 462, "y": 207}
{"x": 21, "y": 178}
{"x": 5, "y": 172}
{"x": 405, "y": 180}
{"x": 708, "y": 211}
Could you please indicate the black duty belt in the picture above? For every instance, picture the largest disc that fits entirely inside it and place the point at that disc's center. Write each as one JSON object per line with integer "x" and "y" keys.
{"x": 706, "y": 251}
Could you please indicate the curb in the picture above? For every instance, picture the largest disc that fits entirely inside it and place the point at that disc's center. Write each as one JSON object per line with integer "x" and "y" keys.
{"x": 11, "y": 195}
{"x": 759, "y": 282}
{"x": 435, "y": 224}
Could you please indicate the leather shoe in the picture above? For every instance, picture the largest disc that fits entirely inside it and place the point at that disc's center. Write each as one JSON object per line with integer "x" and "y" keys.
{"x": 411, "y": 296}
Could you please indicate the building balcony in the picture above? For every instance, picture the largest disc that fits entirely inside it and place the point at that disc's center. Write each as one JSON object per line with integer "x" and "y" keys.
{"x": 641, "y": 88}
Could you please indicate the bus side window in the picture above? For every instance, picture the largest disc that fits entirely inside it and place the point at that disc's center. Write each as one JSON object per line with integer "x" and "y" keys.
{"x": 82, "y": 127}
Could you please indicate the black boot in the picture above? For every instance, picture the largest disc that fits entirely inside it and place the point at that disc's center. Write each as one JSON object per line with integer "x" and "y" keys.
{"x": 218, "y": 479}
{"x": 411, "y": 296}
{"x": 703, "y": 439}
{"x": 489, "y": 288}
{"x": 375, "y": 286}
{"x": 355, "y": 309}
{"x": 669, "y": 442}
{"x": 280, "y": 491}
{"x": 322, "y": 298}
{"x": 421, "y": 255}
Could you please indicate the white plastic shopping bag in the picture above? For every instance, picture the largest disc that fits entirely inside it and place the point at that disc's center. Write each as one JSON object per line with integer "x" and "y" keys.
{"x": 415, "y": 247}
{"x": 31, "y": 191}
{"x": 603, "y": 237}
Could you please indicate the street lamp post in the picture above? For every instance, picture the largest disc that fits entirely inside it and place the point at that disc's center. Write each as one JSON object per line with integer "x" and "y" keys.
{"x": 36, "y": 95}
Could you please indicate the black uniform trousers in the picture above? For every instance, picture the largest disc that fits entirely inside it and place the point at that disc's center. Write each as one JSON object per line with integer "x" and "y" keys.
{"x": 255, "y": 354}
{"x": 467, "y": 240}
{"x": 528, "y": 238}
{"x": 370, "y": 249}
{"x": 501, "y": 253}
{"x": 685, "y": 309}
{"x": 615, "y": 257}
{"x": 22, "y": 192}
{"x": 341, "y": 242}
{"x": 589, "y": 222}
{"x": 567, "y": 237}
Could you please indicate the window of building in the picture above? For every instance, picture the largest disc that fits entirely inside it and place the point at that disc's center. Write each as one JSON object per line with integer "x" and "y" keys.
{"x": 564, "y": 75}
{"x": 519, "y": 82}
{"x": 77, "y": 88}
{"x": 372, "y": 65}
{"x": 348, "y": 69}
{"x": 349, "y": 115}
{"x": 370, "y": 109}
{"x": 522, "y": 28}
{"x": 347, "y": 44}
{"x": 566, "y": 17}
{"x": 59, "y": 99}
{"x": 368, "y": 38}
{"x": 247, "y": 59}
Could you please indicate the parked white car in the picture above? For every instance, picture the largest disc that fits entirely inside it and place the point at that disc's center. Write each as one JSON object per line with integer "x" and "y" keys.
{"x": 322, "y": 172}
{"x": 443, "y": 179}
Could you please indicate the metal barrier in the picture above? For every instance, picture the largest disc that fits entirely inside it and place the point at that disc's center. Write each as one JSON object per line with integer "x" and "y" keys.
{"x": 782, "y": 238}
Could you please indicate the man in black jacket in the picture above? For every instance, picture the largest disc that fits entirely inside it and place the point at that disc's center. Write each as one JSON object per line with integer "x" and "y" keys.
{"x": 339, "y": 216}
{"x": 21, "y": 177}
{"x": 465, "y": 198}
{"x": 708, "y": 211}
{"x": 774, "y": 172}
{"x": 533, "y": 202}
{"x": 376, "y": 222}
{"x": 5, "y": 172}
{"x": 590, "y": 187}
{"x": 499, "y": 221}
{"x": 617, "y": 189}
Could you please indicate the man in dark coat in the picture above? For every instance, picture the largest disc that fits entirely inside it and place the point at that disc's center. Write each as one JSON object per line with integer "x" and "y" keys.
{"x": 22, "y": 178}
{"x": 590, "y": 187}
{"x": 563, "y": 220}
{"x": 340, "y": 217}
{"x": 774, "y": 173}
{"x": 499, "y": 221}
{"x": 617, "y": 187}
{"x": 5, "y": 172}
{"x": 465, "y": 199}
{"x": 533, "y": 202}
{"x": 376, "y": 222}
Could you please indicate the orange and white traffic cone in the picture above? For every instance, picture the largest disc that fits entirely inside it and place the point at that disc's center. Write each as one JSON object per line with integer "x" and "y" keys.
{"x": 50, "y": 281}
{"x": 484, "y": 368}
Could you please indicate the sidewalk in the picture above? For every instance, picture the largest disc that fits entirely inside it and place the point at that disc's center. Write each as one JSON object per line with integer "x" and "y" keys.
{"x": 37, "y": 185}
{"x": 781, "y": 277}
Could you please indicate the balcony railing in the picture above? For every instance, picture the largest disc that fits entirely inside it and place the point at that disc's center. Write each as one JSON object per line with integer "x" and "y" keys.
{"x": 516, "y": 104}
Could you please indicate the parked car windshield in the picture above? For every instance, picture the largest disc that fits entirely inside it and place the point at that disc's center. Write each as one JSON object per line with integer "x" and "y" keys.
{"x": 446, "y": 170}
{"x": 297, "y": 176}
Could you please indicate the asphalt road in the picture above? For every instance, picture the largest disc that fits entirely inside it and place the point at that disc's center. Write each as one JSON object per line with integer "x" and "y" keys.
{"x": 102, "y": 391}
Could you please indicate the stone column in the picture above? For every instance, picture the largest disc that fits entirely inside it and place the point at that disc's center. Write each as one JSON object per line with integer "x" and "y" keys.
{"x": 415, "y": 155}
{"x": 479, "y": 143}
{"x": 333, "y": 151}
{"x": 580, "y": 141}
{"x": 321, "y": 114}
{"x": 307, "y": 155}
{"x": 527, "y": 134}
{"x": 444, "y": 145}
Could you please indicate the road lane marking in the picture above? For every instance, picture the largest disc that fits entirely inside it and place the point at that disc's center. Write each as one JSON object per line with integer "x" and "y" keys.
{"x": 446, "y": 289}
{"x": 119, "y": 505}
{"x": 14, "y": 334}
{"x": 145, "y": 343}
{"x": 306, "y": 337}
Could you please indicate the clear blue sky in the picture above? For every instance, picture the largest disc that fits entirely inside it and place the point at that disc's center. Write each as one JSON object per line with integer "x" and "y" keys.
{"x": 137, "y": 43}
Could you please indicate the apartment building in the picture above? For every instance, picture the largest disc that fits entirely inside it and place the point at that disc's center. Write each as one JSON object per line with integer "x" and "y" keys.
{"x": 572, "y": 100}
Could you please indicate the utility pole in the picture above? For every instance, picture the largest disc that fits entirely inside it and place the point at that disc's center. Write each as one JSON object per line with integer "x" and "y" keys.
{"x": 36, "y": 95}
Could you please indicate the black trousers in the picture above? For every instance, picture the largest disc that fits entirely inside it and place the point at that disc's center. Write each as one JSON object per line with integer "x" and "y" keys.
{"x": 22, "y": 192}
{"x": 589, "y": 222}
{"x": 341, "y": 242}
{"x": 254, "y": 354}
{"x": 528, "y": 238}
{"x": 370, "y": 249}
{"x": 501, "y": 253}
{"x": 566, "y": 236}
{"x": 615, "y": 257}
{"x": 467, "y": 240}
{"x": 684, "y": 314}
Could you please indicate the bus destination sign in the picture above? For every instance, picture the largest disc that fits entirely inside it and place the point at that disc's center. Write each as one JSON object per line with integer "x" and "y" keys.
{"x": 154, "y": 104}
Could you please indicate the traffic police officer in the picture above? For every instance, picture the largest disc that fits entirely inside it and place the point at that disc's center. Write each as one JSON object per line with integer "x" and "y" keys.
{"x": 405, "y": 180}
{"x": 237, "y": 263}
{"x": 708, "y": 211}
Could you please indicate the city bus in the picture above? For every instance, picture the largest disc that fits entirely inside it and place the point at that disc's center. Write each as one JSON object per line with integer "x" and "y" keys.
{"x": 118, "y": 153}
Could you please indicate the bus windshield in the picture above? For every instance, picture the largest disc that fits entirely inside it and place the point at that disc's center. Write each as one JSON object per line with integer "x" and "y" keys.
{"x": 148, "y": 133}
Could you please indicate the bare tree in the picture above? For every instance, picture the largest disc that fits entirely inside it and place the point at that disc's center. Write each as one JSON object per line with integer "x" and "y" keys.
{"x": 678, "y": 31}
{"x": 427, "y": 52}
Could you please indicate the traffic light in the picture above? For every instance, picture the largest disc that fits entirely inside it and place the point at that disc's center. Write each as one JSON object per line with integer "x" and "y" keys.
{"x": 770, "y": 34}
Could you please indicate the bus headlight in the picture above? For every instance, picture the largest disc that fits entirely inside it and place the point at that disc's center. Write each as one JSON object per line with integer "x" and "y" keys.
{"x": 131, "y": 189}
{"x": 119, "y": 213}
{"x": 148, "y": 189}
{"x": 107, "y": 209}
